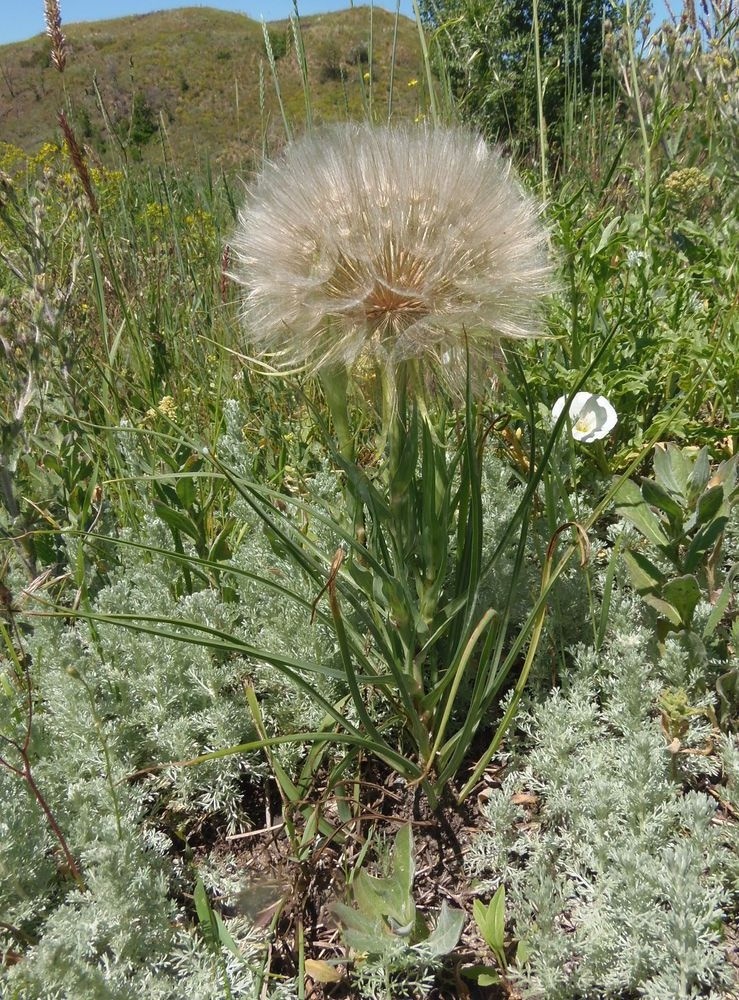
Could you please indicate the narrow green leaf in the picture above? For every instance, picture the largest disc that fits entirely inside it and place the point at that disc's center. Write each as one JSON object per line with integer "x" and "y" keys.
{"x": 490, "y": 921}
{"x": 404, "y": 862}
{"x": 202, "y": 907}
{"x": 225, "y": 937}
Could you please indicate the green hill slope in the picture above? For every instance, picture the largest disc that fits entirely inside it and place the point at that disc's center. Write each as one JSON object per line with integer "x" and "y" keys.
{"x": 195, "y": 81}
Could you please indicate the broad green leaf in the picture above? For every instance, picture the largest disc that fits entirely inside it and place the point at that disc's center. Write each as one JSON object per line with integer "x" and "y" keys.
{"x": 444, "y": 937}
{"x": 700, "y": 474}
{"x": 666, "y": 610}
{"x": 709, "y": 504}
{"x": 359, "y": 933}
{"x": 727, "y": 688}
{"x": 658, "y": 496}
{"x": 644, "y": 574}
{"x": 186, "y": 491}
{"x": 682, "y": 593}
{"x": 523, "y": 952}
{"x": 631, "y": 505}
{"x": 354, "y": 920}
{"x": 672, "y": 469}
{"x": 219, "y": 549}
{"x": 375, "y": 898}
{"x": 722, "y": 603}
{"x": 483, "y": 975}
{"x": 323, "y": 972}
{"x": 703, "y": 542}
{"x": 727, "y": 473}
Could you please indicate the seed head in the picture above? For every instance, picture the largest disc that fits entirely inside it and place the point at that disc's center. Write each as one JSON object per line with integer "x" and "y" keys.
{"x": 399, "y": 243}
{"x": 53, "y": 18}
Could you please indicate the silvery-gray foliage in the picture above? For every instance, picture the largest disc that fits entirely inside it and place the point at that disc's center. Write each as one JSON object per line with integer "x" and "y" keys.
{"x": 110, "y": 701}
{"x": 620, "y": 880}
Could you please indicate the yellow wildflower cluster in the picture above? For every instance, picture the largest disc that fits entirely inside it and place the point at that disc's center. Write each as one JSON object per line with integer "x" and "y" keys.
{"x": 12, "y": 159}
{"x": 155, "y": 217}
{"x": 108, "y": 184}
{"x": 47, "y": 157}
{"x": 200, "y": 223}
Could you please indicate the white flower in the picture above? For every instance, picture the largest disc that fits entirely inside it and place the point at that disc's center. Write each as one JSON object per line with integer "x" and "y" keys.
{"x": 592, "y": 417}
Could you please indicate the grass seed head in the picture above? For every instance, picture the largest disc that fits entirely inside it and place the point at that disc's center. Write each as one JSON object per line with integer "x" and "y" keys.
{"x": 394, "y": 242}
{"x": 53, "y": 18}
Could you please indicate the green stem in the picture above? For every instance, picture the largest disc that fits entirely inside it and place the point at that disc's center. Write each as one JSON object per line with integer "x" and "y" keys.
{"x": 335, "y": 387}
{"x": 636, "y": 96}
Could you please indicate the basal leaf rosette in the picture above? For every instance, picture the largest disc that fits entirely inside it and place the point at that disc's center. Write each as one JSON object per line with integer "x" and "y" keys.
{"x": 397, "y": 243}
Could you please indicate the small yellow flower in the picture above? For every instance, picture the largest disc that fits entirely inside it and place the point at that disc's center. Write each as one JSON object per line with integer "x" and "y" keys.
{"x": 413, "y": 82}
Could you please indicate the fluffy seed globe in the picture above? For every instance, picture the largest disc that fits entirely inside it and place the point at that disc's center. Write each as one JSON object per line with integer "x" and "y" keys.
{"x": 395, "y": 243}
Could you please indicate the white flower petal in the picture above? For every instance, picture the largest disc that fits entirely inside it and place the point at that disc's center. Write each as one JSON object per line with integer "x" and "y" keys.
{"x": 592, "y": 417}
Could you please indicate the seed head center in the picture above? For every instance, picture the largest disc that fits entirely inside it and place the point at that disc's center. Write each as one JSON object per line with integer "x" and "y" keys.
{"x": 394, "y": 306}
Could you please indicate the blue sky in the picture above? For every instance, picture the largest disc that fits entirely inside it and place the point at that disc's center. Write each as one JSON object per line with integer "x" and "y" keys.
{"x": 26, "y": 18}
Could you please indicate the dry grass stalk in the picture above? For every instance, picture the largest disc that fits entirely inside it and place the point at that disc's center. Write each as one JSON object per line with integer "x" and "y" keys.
{"x": 53, "y": 18}
{"x": 78, "y": 161}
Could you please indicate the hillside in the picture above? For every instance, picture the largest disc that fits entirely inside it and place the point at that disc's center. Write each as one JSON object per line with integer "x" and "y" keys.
{"x": 195, "y": 81}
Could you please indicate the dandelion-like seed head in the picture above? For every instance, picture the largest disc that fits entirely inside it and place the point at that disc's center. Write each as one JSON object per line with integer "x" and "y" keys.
{"x": 394, "y": 242}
